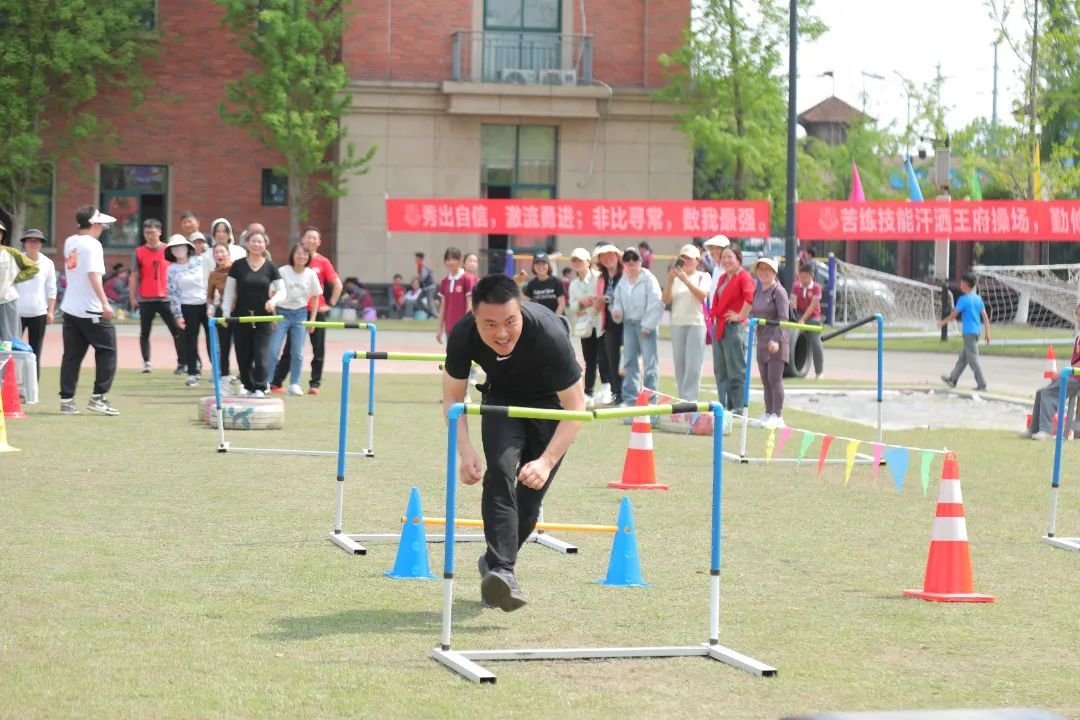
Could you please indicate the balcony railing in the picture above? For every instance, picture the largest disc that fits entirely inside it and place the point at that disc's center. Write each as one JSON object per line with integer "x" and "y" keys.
{"x": 528, "y": 58}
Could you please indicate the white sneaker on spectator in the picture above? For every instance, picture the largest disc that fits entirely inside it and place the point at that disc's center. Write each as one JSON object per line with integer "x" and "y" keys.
{"x": 258, "y": 394}
{"x": 295, "y": 389}
{"x": 762, "y": 421}
{"x": 192, "y": 381}
{"x": 1042, "y": 436}
{"x": 775, "y": 422}
{"x": 146, "y": 367}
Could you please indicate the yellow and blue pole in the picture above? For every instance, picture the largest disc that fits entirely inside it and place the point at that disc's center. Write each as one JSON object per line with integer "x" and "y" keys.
{"x": 1055, "y": 483}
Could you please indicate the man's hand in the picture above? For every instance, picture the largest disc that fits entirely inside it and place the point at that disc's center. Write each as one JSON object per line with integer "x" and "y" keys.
{"x": 439, "y": 336}
{"x": 987, "y": 337}
{"x": 49, "y": 318}
{"x": 324, "y": 308}
{"x": 269, "y": 307}
{"x": 535, "y": 474}
{"x": 471, "y": 471}
{"x": 107, "y": 312}
{"x": 645, "y": 332}
{"x": 181, "y": 323}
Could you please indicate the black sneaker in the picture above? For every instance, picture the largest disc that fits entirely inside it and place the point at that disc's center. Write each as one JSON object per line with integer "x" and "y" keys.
{"x": 180, "y": 370}
{"x": 980, "y": 388}
{"x": 482, "y": 566}
{"x": 948, "y": 381}
{"x": 500, "y": 589}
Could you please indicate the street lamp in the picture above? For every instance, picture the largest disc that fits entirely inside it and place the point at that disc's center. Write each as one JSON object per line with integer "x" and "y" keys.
{"x": 791, "y": 248}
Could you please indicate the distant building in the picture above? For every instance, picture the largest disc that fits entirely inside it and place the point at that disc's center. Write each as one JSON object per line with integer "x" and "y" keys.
{"x": 830, "y": 119}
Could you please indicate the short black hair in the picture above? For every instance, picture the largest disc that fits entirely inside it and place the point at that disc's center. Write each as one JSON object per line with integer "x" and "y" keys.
{"x": 811, "y": 251}
{"x": 806, "y": 268}
{"x": 152, "y": 223}
{"x": 83, "y": 215}
{"x": 496, "y": 289}
{"x": 969, "y": 278}
{"x": 452, "y": 253}
{"x": 188, "y": 214}
{"x": 292, "y": 252}
{"x": 418, "y": 254}
{"x": 397, "y": 276}
{"x": 311, "y": 228}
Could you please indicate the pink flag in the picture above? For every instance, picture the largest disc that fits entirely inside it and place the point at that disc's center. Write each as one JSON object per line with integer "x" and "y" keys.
{"x": 857, "y": 194}
{"x": 877, "y": 460}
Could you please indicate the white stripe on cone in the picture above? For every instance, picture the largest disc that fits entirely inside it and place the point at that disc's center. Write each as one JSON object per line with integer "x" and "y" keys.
{"x": 950, "y": 492}
{"x": 950, "y": 529}
{"x": 640, "y": 441}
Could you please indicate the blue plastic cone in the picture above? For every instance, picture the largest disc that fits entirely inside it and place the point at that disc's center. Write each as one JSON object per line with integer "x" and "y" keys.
{"x": 412, "y": 559}
{"x": 624, "y": 568}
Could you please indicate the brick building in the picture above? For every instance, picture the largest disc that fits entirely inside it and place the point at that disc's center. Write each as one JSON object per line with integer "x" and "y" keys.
{"x": 462, "y": 98}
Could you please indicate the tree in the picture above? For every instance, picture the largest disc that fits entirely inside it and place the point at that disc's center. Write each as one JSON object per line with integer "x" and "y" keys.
{"x": 56, "y": 56}
{"x": 728, "y": 75}
{"x": 295, "y": 102}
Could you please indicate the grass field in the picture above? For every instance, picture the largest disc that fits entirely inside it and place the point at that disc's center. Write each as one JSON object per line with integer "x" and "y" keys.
{"x": 144, "y": 574}
{"x": 999, "y": 336}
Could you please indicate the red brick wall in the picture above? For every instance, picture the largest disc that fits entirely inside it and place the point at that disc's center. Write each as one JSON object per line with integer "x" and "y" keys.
{"x": 622, "y": 54}
{"x": 418, "y": 32}
{"x": 214, "y": 169}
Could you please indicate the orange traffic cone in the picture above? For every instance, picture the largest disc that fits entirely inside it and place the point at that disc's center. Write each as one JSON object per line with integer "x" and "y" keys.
{"x": 948, "y": 569}
{"x": 10, "y": 392}
{"x": 1050, "y": 368}
{"x": 4, "y": 447}
{"x": 639, "y": 468}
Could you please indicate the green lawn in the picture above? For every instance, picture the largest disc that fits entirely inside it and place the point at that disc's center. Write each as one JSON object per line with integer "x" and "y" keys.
{"x": 146, "y": 575}
{"x": 952, "y": 346}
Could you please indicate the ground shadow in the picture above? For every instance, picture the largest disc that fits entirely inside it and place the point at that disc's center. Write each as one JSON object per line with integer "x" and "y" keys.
{"x": 354, "y": 622}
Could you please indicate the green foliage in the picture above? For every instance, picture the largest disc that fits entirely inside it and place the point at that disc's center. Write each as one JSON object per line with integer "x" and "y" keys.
{"x": 57, "y": 55}
{"x": 295, "y": 100}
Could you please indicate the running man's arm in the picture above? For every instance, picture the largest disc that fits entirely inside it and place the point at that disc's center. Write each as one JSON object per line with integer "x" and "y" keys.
{"x": 986, "y": 325}
{"x": 535, "y": 474}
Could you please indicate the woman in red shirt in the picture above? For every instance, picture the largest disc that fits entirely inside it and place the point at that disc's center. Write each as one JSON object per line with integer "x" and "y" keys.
{"x": 728, "y": 312}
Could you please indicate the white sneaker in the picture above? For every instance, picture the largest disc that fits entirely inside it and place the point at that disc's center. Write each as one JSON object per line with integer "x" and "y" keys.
{"x": 775, "y": 422}
{"x": 295, "y": 389}
{"x": 258, "y": 394}
{"x": 146, "y": 367}
{"x": 1042, "y": 436}
{"x": 589, "y": 402}
{"x": 762, "y": 421}
{"x": 99, "y": 404}
{"x": 192, "y": 381}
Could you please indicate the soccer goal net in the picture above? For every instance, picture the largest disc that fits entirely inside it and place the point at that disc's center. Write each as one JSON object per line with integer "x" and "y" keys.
{"x": 1042, "y": 296}
{"x": 904, "y": 303}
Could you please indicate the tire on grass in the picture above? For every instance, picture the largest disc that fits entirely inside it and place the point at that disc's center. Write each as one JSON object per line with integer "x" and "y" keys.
{"x": 244, "y": 413}
{"x": 799, "y": 359}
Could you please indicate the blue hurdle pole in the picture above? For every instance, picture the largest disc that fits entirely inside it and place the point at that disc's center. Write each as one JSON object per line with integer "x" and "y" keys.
{"x": 717, "y": 485}
{"x": 1059, "y": 437}
{"x": 455, "y": 413}
{"x": 370, "y": 451}
{"x": 880, "y": 375}
{"x": 215, "y": 368}
{"x": 343, "y": 435}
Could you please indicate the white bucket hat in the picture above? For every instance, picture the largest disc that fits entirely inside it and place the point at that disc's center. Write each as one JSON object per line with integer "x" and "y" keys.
{"x": 770, "y": 262}
{"x": 720, "y": 241}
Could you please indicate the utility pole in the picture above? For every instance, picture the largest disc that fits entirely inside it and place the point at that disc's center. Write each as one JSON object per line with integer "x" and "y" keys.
{"x": 993, "y": 115}
{"x": 1033, "y": 96}
{"x": 791, "y": 248}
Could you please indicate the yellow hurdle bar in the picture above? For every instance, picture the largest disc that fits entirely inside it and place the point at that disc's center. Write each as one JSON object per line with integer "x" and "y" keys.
{"x": 567, "y": 527}
{"x": 792, "y": 325}
{"x": 335, "y": 324}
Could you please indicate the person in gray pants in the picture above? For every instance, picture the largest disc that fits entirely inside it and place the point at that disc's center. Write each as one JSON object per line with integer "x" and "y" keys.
{"x": 1046, "y": 398}
{"x": 976, "y": 322}
{"x": 686, "y": 291}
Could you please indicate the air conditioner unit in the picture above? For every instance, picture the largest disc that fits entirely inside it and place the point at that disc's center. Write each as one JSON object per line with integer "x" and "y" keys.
{"x": 519, "y": 76}
{"x": 558, "y": 77}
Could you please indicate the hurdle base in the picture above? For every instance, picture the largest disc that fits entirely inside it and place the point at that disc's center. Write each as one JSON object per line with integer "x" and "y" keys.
{"x": 226, "y": 447}
{"x": 1063, "y": 543}
{"x": 463, "y": 662}
{"x": 949, "y": 597}
{"x": 553, "y": 543}
{"x": 860, "y": 459}
{"x": 642, "y": 486}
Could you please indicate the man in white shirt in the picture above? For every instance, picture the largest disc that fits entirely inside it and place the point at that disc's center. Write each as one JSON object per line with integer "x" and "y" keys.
{"x": 87, "y": 314}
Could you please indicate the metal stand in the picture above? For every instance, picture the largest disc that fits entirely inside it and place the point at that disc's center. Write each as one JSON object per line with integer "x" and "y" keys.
{"x": 224, "y": 446}
{"x": 466, "y": 664}
{"x": 1063, "y": 543}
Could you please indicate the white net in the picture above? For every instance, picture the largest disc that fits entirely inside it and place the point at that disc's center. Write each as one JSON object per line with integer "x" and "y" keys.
{"x": 1043, "y": 296}
{"x": 904, "y": 303}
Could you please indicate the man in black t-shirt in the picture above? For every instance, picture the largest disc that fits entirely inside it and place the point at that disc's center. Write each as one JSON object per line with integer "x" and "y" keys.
{"x": 526, "y": 352}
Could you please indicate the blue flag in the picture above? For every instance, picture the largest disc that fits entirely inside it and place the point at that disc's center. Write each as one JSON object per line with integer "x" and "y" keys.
{"x": 897, "y": 461}
{"x": 914, "y": 191}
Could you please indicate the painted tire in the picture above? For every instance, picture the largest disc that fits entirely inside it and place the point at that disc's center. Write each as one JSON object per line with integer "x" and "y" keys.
{"x": 244, "y": 413}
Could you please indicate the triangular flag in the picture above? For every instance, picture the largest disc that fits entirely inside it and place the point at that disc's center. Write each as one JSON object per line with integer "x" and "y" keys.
{"x": 897, "y": 460}
{"x": 826, "y": 442}
{"x": 770, "y": 445}
{"x": 807, "y": 439}
{"x": 914, "y": 191}
{"x": 857, "y": 194}
{"x": 976, "y": 186}
{"x": 849, "y": 458}
{"x": 877, "y": 461}
{"x": 924, "y": 470}
{"x": 785, "y": 433}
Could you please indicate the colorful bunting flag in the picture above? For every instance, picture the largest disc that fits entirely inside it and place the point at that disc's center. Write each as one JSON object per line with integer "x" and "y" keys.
{"x": 914, "y": 191}
{"x": 807, "y": 439}
{"x": 857, "y": 194}
{"x": 877, "y": 461}
{"x": 770, "y": 445}
{"x": 897, "y": 460}
{"x": 976, "y": 186}
{"x": 849, "y": 459}
{"x": 785, "y": 433}
{"x": 826, "y": 442}
{"x": 924, "y": 470}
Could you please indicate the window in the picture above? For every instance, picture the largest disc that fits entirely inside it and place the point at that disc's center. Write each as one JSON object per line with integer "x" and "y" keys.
{"x": 132, "y": 194}
{"x": 275, "y": 188}
{"x": 521, "y": 39}
{"x": 518, "y": 161}
{"x": 39, "y": 206}
{"x": 147, "y": 15}
{"x": 537, "y": 15}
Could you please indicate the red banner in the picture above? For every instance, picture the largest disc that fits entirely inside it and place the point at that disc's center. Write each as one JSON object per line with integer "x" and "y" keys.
{"x": 652, "y": 218}
{"x": 956, "y": 220}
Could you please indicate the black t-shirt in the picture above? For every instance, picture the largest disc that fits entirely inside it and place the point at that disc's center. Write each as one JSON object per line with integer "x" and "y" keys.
{"x": 546, "y": 292}
{"x": 541, "y": 364}
{"x": 252, "y": 286}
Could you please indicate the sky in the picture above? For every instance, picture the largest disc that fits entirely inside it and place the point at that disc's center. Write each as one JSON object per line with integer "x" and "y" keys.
{"x": 909, "y": 37}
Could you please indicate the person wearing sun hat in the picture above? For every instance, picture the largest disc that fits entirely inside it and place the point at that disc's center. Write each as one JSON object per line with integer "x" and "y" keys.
{"x": 610, "y": 332}
{"x": 582, "y": 312}
{"x": 638, "y": 307}
{"x": 37, "y": 296}
{"x": 687, "y": 290}
{"x": 87, "y": 314}
{"x": 771, "y": 303}
{"x": 186, "y": 287}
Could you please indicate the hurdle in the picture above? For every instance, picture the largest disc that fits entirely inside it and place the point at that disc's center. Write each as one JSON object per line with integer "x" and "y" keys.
{"x": 861, "y": 458}
{"x": 224, "y": 445}
{"x": 352, "y": 542}
{"x": 1064, "y": 543}
{"x": 567, "y": 527}
{"x": 465, "y": 662}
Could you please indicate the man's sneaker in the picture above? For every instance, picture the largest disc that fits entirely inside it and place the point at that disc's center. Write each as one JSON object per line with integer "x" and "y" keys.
{"x": 295, "y": 389}
{"x": 67, "y": 407}
{"x": 277, "y": 390}
{"x": 146, "y": 368}
{"x": 1041, "y": 436}
{"x": 948, "y": 381}
{"x": 180, "y": 369}
{"x": 499, "y": 588}
{"x": 192, "y": 380}
{"x": 482, "y": 566}
{"x": 313, "y": 390}
{"x": 258, "y": 393}
{"x": 99, "y": 404}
